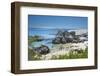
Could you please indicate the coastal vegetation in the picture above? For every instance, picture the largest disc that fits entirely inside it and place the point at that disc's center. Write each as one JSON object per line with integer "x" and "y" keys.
{"x": 33, "y": 55}
{"x": 73, "y": 54}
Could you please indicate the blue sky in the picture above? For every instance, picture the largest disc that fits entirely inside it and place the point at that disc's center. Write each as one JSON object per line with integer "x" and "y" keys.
{"x": 57, "y": 22}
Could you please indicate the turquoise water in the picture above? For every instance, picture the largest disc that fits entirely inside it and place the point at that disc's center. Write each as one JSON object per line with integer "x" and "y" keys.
{"x": 47, "y": 34}
{"x": 44, "y": 42}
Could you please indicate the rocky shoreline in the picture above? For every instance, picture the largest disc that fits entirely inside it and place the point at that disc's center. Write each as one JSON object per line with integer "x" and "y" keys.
{"x": 64, "y": 43}
{"x": 64, "y": 38}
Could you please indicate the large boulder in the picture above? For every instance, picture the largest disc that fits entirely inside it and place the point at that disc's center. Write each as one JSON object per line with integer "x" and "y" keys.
{"x": 42, "y": 49}
{"x": 63, "y": 37}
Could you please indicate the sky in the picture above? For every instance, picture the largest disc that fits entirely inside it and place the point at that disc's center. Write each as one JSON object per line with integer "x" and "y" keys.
{"x": 57, "y": 22}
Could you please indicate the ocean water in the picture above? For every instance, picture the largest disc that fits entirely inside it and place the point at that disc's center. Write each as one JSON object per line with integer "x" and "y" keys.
{"x": 47, "y": 34}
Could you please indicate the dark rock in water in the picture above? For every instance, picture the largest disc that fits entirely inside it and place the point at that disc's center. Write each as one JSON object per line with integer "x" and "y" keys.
{"x": 42, "y": 49}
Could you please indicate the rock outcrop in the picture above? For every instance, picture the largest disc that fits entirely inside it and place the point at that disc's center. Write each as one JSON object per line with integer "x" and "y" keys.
{"x": 42, "y": 49}
{"x": 63, "y": 37}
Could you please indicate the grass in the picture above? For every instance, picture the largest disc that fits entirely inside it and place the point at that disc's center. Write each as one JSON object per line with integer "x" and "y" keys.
{"x": 33, "y": 56}
{"x": 72, "y": 55}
